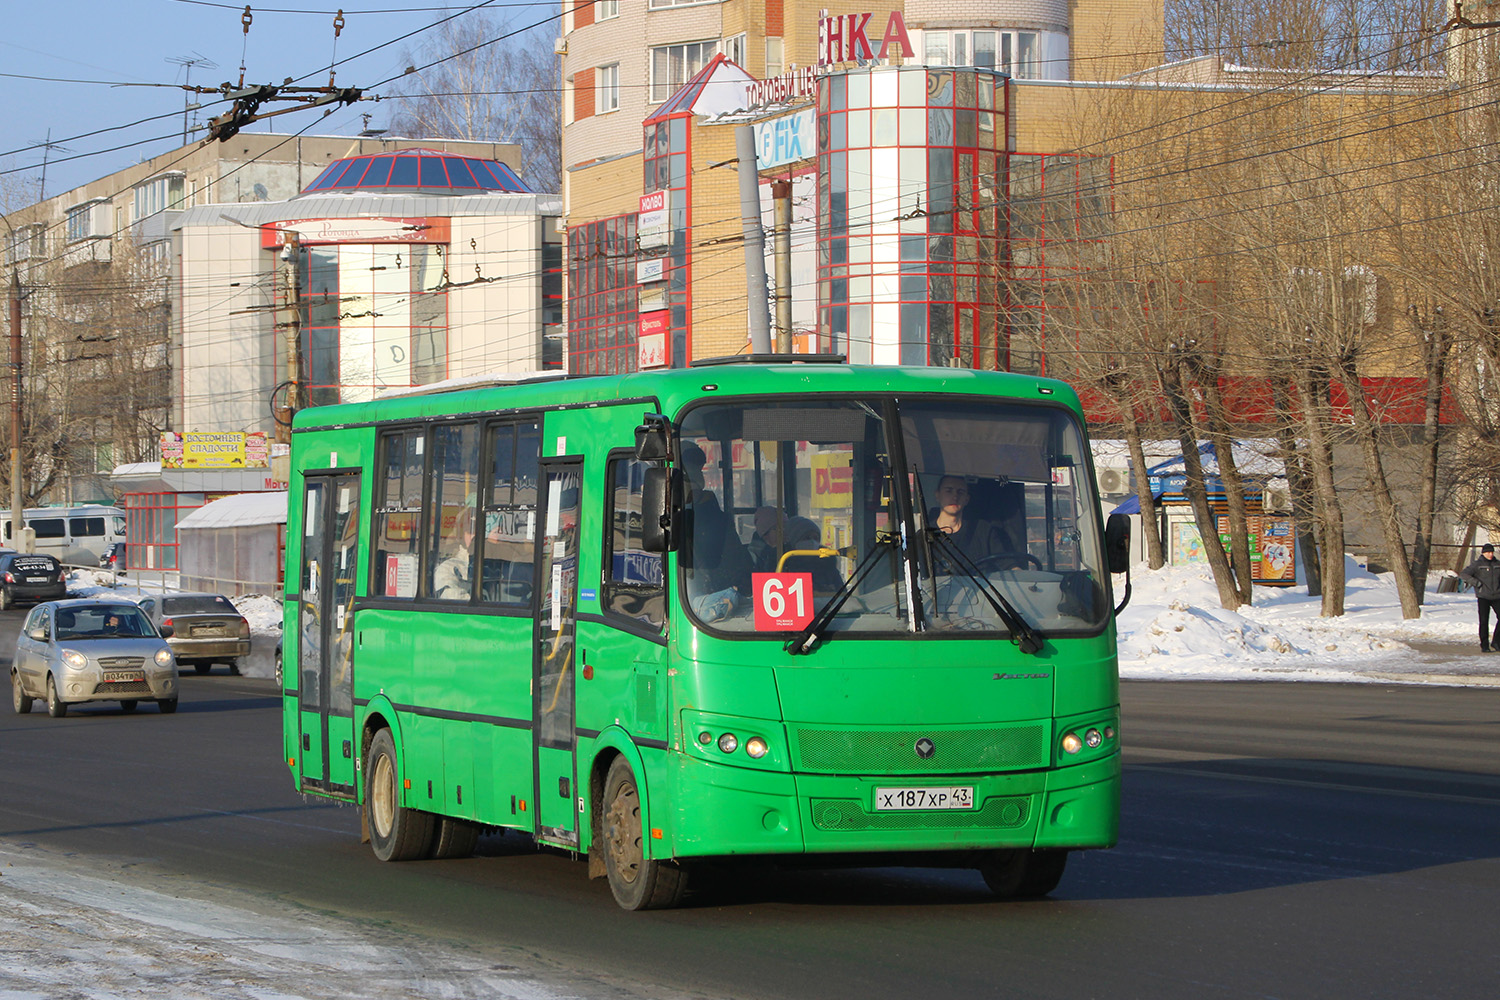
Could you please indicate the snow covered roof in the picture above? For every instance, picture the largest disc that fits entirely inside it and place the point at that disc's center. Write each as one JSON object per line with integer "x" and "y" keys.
{"x": 1253, "y": 456}
{"x": 481, "y": 380}
{"x": 240, "y": 511}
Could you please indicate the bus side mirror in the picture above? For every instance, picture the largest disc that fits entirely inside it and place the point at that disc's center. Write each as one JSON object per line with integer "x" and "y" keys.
{"x": 652, "y": 442}
{"x": 1117, "y": 542}
{"x": 656, "y": 509}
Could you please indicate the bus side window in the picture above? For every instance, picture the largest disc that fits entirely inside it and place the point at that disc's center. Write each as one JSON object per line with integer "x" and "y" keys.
{"x": 633, "y": 577}
{"x": 452, "y": 488}
{"x": 398, "y": 508}
{"x": 86, "y": 527}
{"x": 507, "y": 544}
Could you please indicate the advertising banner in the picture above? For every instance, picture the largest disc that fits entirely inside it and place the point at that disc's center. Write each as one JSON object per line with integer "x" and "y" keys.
{"x": 214, "y": 450}
{"x": 651, "y": 346}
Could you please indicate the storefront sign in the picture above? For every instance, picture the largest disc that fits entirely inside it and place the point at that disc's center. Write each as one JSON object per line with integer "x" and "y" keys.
{"x": 214, "y": 450}
{"x": 651, "y": 341}
{"x": 274, "y": 234}
{"x": 786, "y": 140}
{"x": 800, "y": 82}
{"x": 651, "y": 225}
{"x": 845, "y": 37}
{"x": 649, "y": 269}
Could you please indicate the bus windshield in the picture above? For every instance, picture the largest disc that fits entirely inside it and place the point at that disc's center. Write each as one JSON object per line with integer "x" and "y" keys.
{"x": 990, "y": 495}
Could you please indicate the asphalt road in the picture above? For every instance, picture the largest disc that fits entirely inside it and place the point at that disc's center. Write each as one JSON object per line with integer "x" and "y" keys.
{"x": 1279, "y": 840}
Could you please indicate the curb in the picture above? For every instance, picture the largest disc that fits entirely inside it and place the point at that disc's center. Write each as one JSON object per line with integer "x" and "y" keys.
{"x": 1450, "y": 680}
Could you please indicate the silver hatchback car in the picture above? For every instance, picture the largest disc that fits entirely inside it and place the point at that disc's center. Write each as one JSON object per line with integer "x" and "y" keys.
{"x": 90, "y": 650}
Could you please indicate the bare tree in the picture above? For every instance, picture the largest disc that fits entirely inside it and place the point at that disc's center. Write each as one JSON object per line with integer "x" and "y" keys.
{"x": 486, "y": 87}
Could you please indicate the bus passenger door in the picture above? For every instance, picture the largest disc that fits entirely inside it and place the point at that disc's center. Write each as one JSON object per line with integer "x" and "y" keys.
{"x": 325, "y": 631}
{"x": 555, "y": 605}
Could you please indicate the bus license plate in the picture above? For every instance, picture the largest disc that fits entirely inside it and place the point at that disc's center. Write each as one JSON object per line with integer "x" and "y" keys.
{"x": 951, "y": 797}
{"x": 122, "y": 676}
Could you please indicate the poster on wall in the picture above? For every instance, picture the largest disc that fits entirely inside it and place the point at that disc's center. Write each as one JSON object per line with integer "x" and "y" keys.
{"x": 1187, "y": 544}
{"x": 651, "y": 342}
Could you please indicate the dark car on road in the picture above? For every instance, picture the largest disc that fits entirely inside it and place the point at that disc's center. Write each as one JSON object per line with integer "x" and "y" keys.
{"x": 113, "y": 558}
{"x": 30, "y": 578}
{"x": 206, "y": 629}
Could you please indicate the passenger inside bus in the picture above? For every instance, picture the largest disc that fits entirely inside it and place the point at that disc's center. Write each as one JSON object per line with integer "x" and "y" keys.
{"x": 775, "y": 535}
{"x": 451, "y": 579}
{"x": 718, "y": 566}
{"x": 992, "y": 533}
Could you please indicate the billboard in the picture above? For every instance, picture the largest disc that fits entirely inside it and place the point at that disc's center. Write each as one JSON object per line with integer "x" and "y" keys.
{"x": 214, "y": 450}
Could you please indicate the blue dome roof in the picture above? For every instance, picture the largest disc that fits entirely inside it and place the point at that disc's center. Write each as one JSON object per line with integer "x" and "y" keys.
{"x": 425, "y": 170}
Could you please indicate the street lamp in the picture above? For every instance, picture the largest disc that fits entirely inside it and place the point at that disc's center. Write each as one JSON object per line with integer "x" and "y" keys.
{"x": 17, "y": 519}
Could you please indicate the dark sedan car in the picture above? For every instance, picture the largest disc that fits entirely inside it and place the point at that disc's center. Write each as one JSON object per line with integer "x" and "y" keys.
{"x": 206, "y": 629}
{"x": 31, "y": 579}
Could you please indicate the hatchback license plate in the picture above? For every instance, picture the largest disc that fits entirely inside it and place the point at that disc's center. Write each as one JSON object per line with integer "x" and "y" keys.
{"x": 950, "y": 797}
{"x": 122, "y": 676}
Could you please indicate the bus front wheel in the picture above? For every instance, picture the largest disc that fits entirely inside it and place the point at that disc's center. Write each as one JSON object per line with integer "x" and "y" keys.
{"x": 638, "y": 883}
{"x": 396, "y": 832}
{"x": 1023, "y": 874}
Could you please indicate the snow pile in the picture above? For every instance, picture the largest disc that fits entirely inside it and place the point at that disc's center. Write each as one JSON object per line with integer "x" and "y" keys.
{"x": 1175, "y": 629}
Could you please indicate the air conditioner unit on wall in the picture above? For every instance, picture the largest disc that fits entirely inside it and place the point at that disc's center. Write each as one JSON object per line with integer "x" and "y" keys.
{"x": 559, "y": 46}
{"x": 1275, "y": 501}
{"x": 1113, "y": 482}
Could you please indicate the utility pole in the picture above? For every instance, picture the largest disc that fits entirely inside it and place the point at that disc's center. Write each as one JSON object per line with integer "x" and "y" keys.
{"x": 19, "y": 536}
{"x": 291, "y": 253}
{"x": 781, "y": 197}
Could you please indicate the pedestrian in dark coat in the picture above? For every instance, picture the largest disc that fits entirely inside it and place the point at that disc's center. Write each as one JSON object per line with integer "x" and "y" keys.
{"x": 1484, "y": 575}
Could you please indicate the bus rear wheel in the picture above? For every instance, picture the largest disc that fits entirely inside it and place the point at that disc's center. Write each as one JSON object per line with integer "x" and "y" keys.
{"x": 396, "y": 832}
{"x": 1023, "y": 874}
{"x": 638, "y": 883}
{"x": 453, "y": 838}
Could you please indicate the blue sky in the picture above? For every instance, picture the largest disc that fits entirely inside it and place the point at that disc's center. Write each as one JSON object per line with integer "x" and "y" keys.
{"x": 133, "y": 41}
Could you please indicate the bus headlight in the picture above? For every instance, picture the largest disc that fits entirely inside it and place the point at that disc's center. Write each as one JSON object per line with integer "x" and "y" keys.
{"x": 756, "y": 747}
{"x": 1071, "y": 744}
{"x": 1093, "y": 737}
{"x": 729, "y": 743}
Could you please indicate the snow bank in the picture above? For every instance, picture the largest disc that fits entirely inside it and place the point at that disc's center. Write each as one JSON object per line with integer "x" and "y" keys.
{"x": 1174, "y": 629}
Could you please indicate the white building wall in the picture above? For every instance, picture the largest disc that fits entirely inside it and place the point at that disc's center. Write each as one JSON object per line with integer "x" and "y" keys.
{"x": 495, "y": 324}
{"x": 223, "y": 362}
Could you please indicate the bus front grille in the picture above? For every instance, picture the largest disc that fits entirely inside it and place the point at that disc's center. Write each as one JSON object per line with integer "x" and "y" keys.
{"x": 999, "y": 813}
{"x": 896, "y": 751}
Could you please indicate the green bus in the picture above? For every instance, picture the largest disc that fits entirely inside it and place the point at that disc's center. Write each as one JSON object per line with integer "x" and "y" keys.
{"x": 843, "y": 614}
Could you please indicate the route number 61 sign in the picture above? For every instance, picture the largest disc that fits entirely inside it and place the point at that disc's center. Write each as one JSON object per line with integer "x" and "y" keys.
{"x": 782, "y": 600}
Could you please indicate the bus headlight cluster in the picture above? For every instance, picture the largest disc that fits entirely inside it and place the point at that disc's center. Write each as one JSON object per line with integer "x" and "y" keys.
{"x": 1093, "y": 737}
{"x": 756, "y": 747}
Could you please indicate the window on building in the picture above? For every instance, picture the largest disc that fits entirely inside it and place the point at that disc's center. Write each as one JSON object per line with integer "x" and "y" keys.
{"x": 1019, "y": 53}
{"x": 674, "y": 65}
{"x": 734, "y": 49}
{"x": 775, "y": 56}
{"x": 159, "y": 194}
{"x": 82, "y": 221}
{"x": 605, "y": 9}
{"x": 607, "y": 88}
{"x": 29, "y": 242}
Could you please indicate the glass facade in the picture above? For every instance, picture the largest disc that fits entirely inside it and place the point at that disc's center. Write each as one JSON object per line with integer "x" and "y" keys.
{"x": 667, "y": 154}
{"x": 911, "y": 166}
{"x": 371, "y": 316}
{"x": 602, "y": 297}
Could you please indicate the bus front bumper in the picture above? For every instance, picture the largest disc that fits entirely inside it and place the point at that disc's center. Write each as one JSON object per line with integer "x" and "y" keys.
{"x": 726, "y": 810}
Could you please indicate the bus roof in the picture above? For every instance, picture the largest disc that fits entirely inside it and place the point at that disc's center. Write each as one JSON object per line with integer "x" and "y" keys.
{"x": 674, "y": 388}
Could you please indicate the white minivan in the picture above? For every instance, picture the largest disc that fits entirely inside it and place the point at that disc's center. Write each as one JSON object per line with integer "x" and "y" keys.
{"x": 77, "y": 536}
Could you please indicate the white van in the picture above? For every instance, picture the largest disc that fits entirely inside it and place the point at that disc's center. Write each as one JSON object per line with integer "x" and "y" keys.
{"x": 77, "y": 536}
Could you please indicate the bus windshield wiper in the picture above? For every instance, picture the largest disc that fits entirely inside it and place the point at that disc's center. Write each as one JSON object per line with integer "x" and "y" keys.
{"x": 804, "y": 641}
{"x": 1021, "y": 633}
